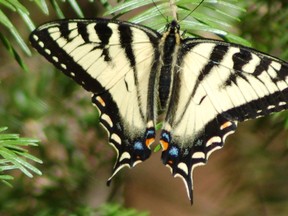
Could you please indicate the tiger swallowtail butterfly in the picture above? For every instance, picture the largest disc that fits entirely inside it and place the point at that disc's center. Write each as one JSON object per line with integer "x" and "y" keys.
{"x": 204, "y": 87}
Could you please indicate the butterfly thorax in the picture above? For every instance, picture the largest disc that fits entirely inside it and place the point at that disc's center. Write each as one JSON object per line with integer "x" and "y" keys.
{"x": 168, "y": 47}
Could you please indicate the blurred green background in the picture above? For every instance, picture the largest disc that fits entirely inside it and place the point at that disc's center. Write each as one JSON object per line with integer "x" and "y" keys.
{"x": 248, "y": 177}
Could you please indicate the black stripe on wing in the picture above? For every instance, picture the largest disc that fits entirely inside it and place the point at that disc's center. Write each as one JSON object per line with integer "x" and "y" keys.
{"x": 215, "y": 59}
{"x": 41, "y": 40}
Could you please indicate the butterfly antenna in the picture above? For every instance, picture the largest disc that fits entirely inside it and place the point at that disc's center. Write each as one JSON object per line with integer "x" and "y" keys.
{"x": 193, "y": 10}
{"x": 159, "y": 11}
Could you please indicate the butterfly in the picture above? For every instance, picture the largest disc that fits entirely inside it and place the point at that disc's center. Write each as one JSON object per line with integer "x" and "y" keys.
{"x": 203, "y": 87}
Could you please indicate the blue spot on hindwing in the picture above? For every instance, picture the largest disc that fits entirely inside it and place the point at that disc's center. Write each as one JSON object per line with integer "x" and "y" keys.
{"x": 150, "y": 133}
{"x": 174, "y": 151}
{"x": 166, "y": 137}
{"x": 138, "y": 145}
{"x": 199, "y": 142}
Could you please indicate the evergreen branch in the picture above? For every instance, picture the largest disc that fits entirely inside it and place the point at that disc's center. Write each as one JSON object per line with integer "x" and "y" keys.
{"x": 13, "y": 52}
{"x": 221, "y": 14}
{"x": 13, "y": 155}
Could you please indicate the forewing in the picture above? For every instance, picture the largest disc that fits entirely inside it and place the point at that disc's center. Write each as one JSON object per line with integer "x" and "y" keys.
{"x": 216, "y": 85}
{"x": 116, "y": 61}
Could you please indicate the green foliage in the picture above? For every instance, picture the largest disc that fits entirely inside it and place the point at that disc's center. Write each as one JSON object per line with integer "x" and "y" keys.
{"x": 15, "y": 6}
{"x": 12, "y": 52}
{"x": 14, "y": 156}
{"x": 265, "y": 26}
{"x": 221, "y": 15}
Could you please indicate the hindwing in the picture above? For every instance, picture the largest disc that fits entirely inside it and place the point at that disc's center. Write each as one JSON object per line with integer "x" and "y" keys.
{"x": 116, "y": 61}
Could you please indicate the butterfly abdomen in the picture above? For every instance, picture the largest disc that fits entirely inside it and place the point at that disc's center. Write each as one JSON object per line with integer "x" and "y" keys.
{"x": 169, "y": 47}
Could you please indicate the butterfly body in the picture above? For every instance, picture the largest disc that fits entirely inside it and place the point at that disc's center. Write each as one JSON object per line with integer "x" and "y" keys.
{"x": 204, "y": 87}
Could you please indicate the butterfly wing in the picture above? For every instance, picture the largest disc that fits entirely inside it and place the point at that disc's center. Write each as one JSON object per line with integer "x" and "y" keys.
{"x": 216, "y": 85}
{"x": 115, "y": 61}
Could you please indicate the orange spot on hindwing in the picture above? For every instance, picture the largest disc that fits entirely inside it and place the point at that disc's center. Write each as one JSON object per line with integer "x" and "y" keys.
{"x": 170, "y": 162}
{"x": 164, "y": 145}
{"x": 225, "y": 125}
{"x": 149, "y": 141}
{"x": 101, "y": 101}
